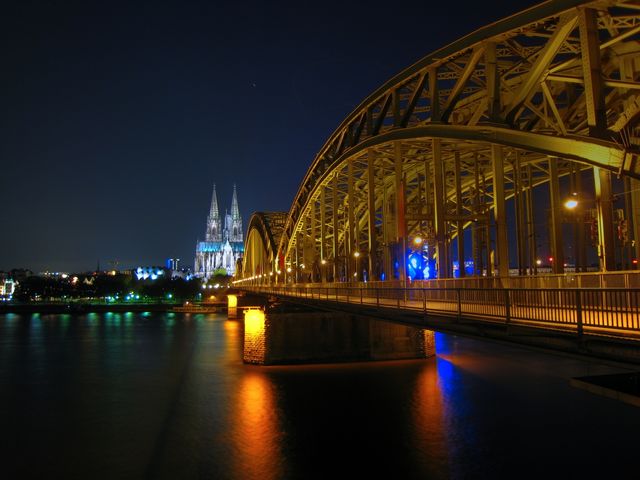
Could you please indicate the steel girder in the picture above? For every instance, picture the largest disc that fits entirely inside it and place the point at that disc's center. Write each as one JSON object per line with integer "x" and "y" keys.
{"x": 530, "y": 82}
{"x": 262, "y": 241}
{"x": 550, "y": 90}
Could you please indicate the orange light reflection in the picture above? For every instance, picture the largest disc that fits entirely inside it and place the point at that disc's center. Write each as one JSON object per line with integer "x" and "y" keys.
{"x": 430, "y": 422}
{"x": 255, "y": 430}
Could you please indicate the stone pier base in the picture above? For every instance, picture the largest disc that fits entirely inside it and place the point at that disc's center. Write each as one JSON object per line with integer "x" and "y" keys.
{"x": 321, "y": 337}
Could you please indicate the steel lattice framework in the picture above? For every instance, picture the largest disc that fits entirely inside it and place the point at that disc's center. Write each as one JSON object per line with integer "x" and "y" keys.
{"x": 440, "y": 150}
{"x": 263, "y": 237}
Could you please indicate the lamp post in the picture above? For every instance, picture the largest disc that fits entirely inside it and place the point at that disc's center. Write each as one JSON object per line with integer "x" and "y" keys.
{"x": 575, "y": 205}
{"x": 356, "y": 255}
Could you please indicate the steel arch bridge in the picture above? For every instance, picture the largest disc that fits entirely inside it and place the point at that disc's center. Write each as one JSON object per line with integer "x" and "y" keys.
{"x": 458, "y": 149}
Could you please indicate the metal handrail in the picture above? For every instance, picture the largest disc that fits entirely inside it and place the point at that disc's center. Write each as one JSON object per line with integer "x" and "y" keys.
{"x": 610, "y": 311}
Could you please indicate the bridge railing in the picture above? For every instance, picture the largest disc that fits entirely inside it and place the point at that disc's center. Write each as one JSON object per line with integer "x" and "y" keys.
{"x": 617, "y": 279}
{"x": 614, "y": 312}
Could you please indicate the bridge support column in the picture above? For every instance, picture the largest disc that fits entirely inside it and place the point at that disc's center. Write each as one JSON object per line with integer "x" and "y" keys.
{"x": 460, "y": 222}
{"x": 334, "y": 214}
{"x": 632, "y": 186}
{"x": 634, "y": 214}
{"x": 323, "y": 234}
{"x": 606, "y": 253}
{"x": 531, "y": 230}
{"x": 351, "y": 243}
{"x": 438, "y": 207}
{"x": 476, "y": 234}
{"x": 555, "y": 234}
{"x": 428, "y": 203}
{"x": 371, "y": 200}
{"x": 499, "y": 212}
{"x": 313, "y": 244}
{"x": 521, "y": 241}
{"x": 299, "y": 255}
{"x": 401, "y": 226}
{"x": 579, "y": 252}
{"x": 627, "y": 233}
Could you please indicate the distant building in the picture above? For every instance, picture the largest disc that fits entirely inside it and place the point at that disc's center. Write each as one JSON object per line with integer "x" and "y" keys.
{"x": 150, "y": 273}
{"x": 7, "y": 287}
{"x": 172, "y": 267}
{"x": 224, "y": 243}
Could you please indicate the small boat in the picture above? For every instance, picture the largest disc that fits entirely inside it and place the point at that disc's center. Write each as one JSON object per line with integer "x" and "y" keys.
{"x": 189, "y": 307}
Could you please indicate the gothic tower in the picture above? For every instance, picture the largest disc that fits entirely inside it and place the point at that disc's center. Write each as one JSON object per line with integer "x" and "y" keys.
{"x": 214, "y": 230}
{"x": 236, "y": 221}
{"x": 224, "y": 242}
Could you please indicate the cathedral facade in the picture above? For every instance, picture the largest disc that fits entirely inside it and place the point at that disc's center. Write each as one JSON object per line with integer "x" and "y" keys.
{"x": 224, "y": 242}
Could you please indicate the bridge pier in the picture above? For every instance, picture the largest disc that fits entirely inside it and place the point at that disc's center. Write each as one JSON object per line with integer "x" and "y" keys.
{"x": 321, "y": 337}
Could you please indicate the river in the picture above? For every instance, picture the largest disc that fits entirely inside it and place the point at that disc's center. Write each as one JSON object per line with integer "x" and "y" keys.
{"x": 166, "y": 395}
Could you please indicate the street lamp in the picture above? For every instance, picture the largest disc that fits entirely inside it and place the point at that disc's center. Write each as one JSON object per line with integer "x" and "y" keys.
{"x": 356, "y": 256}
{"x": 572, "y": 202}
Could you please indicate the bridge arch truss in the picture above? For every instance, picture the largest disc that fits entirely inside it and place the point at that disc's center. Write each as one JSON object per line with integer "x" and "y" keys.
{"x": 451, "y": 156}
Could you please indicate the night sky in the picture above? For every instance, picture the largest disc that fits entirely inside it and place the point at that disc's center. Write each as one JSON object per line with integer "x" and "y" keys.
{"x": 117, "y": 118}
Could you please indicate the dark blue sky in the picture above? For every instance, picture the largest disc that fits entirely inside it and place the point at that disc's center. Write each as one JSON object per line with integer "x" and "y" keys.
{"x": 117, "y": 117}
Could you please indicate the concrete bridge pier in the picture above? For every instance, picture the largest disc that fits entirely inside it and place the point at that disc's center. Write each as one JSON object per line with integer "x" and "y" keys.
{"x": 322, "y": 337}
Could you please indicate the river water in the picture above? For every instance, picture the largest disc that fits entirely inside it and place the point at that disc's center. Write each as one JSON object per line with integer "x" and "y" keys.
{"x": 164, "y": 395}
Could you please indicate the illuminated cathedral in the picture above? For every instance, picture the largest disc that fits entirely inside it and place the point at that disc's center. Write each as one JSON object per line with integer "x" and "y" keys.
{"x": 224, "y": 243}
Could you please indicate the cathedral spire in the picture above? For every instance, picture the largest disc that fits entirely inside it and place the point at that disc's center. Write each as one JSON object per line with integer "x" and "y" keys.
{"x": 214, "y": 213}
{"x": 213, "y": 222}
{"x": 235, "y": 229}
{"x": 235, "y": 211}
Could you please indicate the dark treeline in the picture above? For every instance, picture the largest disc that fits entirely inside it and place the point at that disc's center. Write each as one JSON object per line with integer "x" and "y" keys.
{"x": 118, "y": 285}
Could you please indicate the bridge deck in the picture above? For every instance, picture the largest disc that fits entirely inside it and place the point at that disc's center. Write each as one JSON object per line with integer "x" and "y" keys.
{"x": 605, "y": 312}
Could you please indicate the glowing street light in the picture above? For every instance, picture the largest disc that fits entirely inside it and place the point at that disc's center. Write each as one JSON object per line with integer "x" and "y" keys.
{"x": 356, "y": 256}
{"x": 417, "y": 241}
{"x": 572, "y": 202}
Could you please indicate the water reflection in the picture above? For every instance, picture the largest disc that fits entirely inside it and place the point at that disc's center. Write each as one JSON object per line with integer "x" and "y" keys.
{"x": 114, "y": 396}
{"x": 429, "y": 424}
{"x": 232, "y": 341}
{"x": 255, "y": 429}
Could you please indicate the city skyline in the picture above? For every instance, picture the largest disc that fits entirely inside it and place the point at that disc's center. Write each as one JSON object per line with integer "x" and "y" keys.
{"x": 116, "y": 122}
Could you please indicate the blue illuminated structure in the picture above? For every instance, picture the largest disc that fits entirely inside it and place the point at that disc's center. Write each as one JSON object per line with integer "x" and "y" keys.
{"x": 420, "y": 266}
{"x": 149, "y": 273}
{"x": 468, "y": 268}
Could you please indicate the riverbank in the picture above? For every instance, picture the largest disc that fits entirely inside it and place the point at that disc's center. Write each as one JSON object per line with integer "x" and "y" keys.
{"x": 86, "y": 307}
